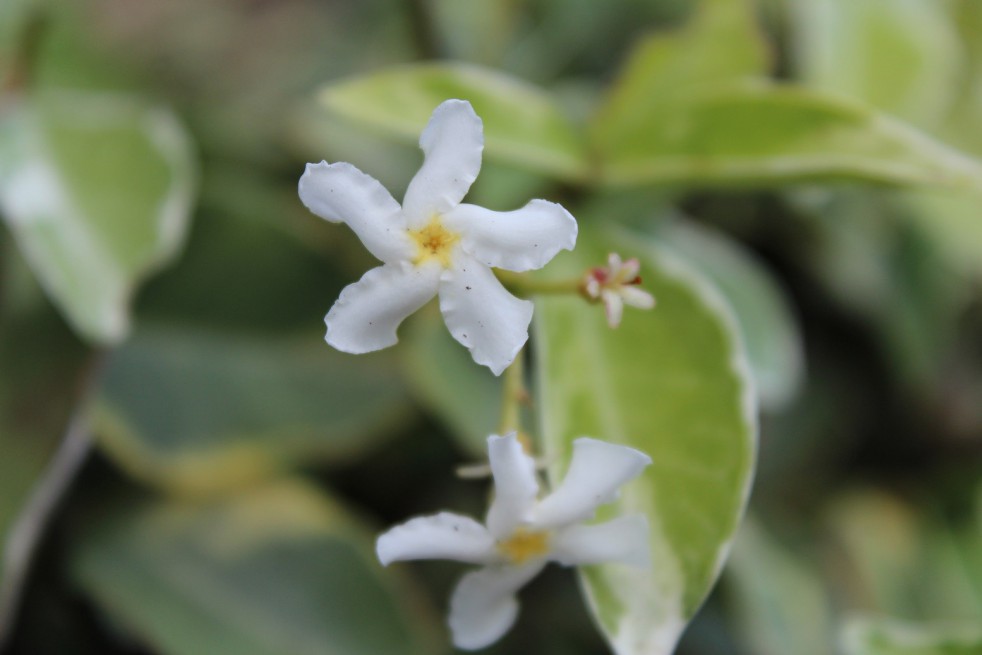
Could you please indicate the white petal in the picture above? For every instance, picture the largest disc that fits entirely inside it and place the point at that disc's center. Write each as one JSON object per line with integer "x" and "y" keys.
{"x": 520, "y": 240}
{"x": 515, "y": 486}
{"x": 341, "y": 193}
{"x": 636, "y": 297}
{"x": 613, "y": 307}
{"x": 441, "y": 536}
{"x": 483, "y": 606}
{"x": 624, "y": 540}
{"x": 482, "y": 315}
{"x": 597, "y": 471}
{"x": 452, "y": 143}
{"x": 368, "y": 312}
{"x": 628, "y": 270}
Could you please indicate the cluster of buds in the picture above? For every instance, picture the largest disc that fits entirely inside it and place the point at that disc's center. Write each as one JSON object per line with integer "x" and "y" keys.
{"x": 616, "y": 285}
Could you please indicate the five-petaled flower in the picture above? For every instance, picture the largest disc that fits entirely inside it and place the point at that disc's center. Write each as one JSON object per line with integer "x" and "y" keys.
{"x": 616, "y": 285}
{"x": 523, "y": 534}
{"x": 435, "y": 244}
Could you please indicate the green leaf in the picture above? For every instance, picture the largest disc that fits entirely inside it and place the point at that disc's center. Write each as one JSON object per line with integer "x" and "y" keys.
{"x": 682, "y": 113}
{"x": 445, "y": 379}
{"x": 767, "y": 325}
{"x": 884, "y": 543}
{"x": 907, "y": 58}
{"x": 886, "y": 271}
{"x": 780, "y": 603}
{"x": 279, "y": 570}
{"x": 863, "y": 525}
{"x": 762, "y": 134}
{"x": 523, "y": 125}
{"x": 44, "y": 377}
{"x": 862, "y": 636}
{"x": 42, "y": 367}
{"x": 901, "y": 56}
{"x": 97, "y": 190}
{"x": 198, "y": 410}
{"x": 674, "y": 383}
{"x": 719, "y": 45}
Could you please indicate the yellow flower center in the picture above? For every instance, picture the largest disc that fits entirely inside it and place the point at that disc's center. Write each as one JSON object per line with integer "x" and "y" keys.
{"x": 434, "y": 243}
{"x": 524, "y": 545}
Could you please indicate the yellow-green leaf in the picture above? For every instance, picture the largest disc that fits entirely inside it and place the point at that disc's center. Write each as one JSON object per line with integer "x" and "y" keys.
{"x": 763, "y": 134}
{"x": 673, "y": 382}
{"x": 900, "y": 56}
{"x": 523, "y": 124}
{"x": 868, "y": 636}
{"x": 767, "y": 324}
{"x": 719, "y": 45}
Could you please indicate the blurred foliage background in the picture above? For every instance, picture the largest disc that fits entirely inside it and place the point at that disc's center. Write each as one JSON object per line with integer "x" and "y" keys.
{"x": 813, "y": 158}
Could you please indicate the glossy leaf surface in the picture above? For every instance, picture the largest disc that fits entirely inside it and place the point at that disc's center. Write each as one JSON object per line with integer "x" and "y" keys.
{"x": 674, "y": 383}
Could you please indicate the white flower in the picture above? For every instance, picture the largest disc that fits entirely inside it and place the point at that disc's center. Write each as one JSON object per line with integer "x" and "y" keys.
{"x": 616, "y": 285}
{"x": 436, "y": 244}
{"x": 522, "y": 534}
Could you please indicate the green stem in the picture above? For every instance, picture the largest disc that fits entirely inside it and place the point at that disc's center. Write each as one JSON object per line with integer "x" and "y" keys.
{"x": 526, "y": 285}
{"x": 513, "y": 396}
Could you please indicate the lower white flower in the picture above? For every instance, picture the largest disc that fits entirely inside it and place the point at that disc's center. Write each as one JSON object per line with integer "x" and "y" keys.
{"x": 436, "y": 244}
{"x": 522, "y": 534}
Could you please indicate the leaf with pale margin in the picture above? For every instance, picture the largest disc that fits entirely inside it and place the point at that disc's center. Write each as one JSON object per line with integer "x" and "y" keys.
{"x": 198, "y": 411}
{"x": 767, "y": 324}
{"x": 762, "y": 134}
{"x": 280, "y": 569}
{"x": 673, "y": 382}
{"x": 523, "y": 124}
{"x": 97, "y": 191}
{"x": 683, "y": 112}
{"x": 43, "y": 366}
{"x": 868, "y": 636}
{"x": 902, "y": 56}
{"x": 719, "y": 45}
{"x": 907, "y": 58}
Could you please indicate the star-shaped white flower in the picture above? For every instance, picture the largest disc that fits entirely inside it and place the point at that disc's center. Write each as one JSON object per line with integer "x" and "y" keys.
{"x": 434, "y": 244}
{"x": 523, "y": 534}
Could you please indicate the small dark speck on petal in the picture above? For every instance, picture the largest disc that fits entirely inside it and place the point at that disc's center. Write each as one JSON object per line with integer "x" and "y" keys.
{"x": 468, "y": 288}
{"x": 456, "y": 528}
